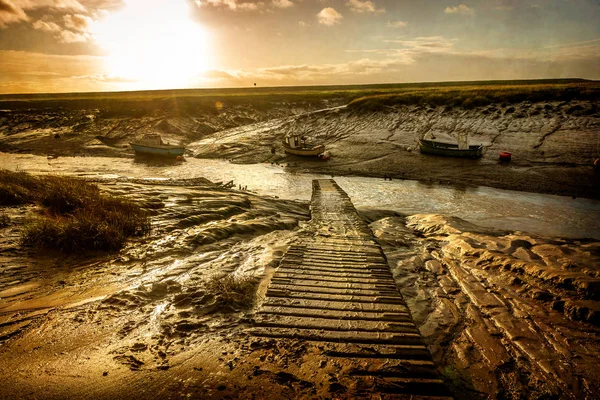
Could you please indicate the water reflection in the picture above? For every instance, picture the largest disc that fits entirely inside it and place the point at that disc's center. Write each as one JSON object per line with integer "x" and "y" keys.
{"x": 156, "y": 161}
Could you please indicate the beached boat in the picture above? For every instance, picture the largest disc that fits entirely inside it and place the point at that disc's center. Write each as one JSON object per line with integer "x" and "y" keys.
{"x": 297, "y": 145}
{"x": 152, "y": 144}
{"x": 449, "y": 149}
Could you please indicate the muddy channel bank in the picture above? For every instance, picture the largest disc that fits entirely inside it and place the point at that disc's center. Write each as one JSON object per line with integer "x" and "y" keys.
{"x": 553, "y": 143}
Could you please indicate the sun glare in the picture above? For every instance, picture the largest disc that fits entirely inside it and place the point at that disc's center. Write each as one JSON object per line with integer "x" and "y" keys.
{"x": 154, "y": 43}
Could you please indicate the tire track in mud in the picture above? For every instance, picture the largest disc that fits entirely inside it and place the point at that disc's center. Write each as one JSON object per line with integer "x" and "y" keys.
{"x": 334, "y": 291}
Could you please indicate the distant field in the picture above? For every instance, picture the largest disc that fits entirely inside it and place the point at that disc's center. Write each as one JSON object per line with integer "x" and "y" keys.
{"x": 367, "y": 97}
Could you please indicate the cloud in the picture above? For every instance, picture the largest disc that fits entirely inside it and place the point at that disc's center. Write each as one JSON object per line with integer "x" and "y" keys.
{"x": 234, "y": 5}
{"x": 460, "y": 9}
{"x": 397, "y": 24}
{"x": 11, "y": 13}
{"x": 24, "y": 71}
{"x": 46, "y": 26}
{"x": 215, "y": 74}
{"x": 303, "y": 24}
{"x": 283, "y": 3}
{"x": 77, "y": 22}
{"x": 103, "y": 78}
{"x": 410, "y": 50}
{"x": 70, "y": 5}
{"x": 72, "y": 37}
{"x": 358, "y": 69}
{"x": 428, "y": 59}
{"x": 329, "y": 17}
{"x": 425, "y": 43}
{"x": 364, "y": 6}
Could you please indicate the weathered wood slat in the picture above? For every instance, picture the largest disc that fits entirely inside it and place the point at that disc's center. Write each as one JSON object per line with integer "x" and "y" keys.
{"x": 335, "y": 291}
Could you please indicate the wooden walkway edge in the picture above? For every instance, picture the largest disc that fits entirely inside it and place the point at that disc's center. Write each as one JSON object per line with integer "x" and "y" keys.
{"x": 334, "y": 289}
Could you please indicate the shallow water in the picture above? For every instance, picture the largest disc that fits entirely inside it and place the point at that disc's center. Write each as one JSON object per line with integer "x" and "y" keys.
{"x": 504, "y": 209}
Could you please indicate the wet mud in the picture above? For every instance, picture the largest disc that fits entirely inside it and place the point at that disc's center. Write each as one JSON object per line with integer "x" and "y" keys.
{"x": 134, "y": 310}
{"x": 505, "y": 314}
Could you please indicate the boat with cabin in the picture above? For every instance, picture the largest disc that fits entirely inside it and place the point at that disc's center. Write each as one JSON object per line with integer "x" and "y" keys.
{"x": 460, "y": 149}
{"x": 153, "y": 145}
{"x": 297, "y": 145}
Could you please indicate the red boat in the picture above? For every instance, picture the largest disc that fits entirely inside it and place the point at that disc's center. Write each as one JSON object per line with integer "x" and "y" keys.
{"x": 505, "y": 156}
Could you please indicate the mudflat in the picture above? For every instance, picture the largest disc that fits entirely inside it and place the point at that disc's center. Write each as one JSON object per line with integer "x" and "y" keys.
{"x": 503, "y": 313}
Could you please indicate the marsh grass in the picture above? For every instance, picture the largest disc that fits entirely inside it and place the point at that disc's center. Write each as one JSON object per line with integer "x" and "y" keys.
{"x": 202, "y": 101}
{"x": 16, "y": 188}
{"x": 232, "y": 292}
{"x": 73, "y": 214}
{"x": 470, "y": 97}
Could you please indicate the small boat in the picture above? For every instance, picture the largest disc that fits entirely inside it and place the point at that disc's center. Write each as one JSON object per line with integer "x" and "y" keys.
{"x": 297, "y": 145}
{"x": 152, "y": 144}
{"x": 449, "y": 149}
{"x": 505, "y": 156}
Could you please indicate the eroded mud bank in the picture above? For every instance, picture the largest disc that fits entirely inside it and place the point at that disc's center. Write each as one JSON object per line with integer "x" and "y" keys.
{"x": 506, "y": 314}
{"x": 105, "y": 128}
{"x": 553, "y": 144}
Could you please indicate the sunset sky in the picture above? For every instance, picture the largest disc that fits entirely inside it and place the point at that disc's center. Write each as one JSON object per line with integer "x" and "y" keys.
{"x": 100, "y": 45}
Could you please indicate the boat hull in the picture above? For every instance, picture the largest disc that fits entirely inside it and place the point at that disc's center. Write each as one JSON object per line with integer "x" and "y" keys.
{"x": 448, "y": 149}
{"x": 313, "y": 151}
{"x": 163, "y": 151}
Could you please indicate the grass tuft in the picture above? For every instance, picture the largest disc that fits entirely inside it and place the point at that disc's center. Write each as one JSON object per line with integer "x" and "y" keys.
{"x": 74, "y": 215}
{"x": 16, "y": 188}
{"x": 4, "y": 220}
{"x": 232, "y": 292}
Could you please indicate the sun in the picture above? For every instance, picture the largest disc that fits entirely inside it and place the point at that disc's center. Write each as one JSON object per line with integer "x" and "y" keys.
{"x": 154, "y": 43}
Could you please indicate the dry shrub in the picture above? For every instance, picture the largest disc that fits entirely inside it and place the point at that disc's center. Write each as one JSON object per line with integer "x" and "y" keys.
{"x": 74, "y": 214}
{"x": 17, "y": 188}
{"x": 232, "y": 292}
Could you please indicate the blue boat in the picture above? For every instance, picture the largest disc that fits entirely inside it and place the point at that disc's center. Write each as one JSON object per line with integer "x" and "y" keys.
{"x": 152, "y": 144}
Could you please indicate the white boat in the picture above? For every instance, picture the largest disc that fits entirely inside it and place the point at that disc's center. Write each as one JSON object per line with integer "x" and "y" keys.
{"x": 152, "y": 144}
{"x": 297, "y": 145}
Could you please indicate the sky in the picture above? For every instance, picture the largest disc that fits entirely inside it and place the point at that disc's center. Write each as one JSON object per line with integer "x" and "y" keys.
{"x": 114, "y": 45}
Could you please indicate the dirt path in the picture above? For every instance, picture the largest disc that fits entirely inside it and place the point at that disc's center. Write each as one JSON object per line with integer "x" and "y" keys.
{"x": 335, "y": 291}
